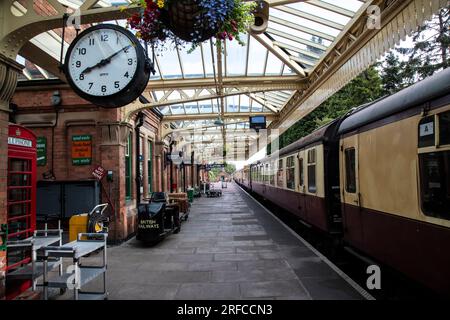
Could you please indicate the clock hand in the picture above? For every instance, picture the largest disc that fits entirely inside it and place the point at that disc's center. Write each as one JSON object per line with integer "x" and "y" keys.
{"x": 105, "y": 61}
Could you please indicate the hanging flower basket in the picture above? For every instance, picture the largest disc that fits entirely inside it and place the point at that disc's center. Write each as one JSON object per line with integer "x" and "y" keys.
{"x": 188, "y": 20}
{"x": 191, "y": 21}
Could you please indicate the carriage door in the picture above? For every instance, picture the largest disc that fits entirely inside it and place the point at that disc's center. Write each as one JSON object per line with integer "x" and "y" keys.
{"x": 301, "y": 184}
{"x": 351, "y": 199}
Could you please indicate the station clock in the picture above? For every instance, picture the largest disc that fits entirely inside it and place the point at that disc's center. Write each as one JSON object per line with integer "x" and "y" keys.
{"x": 107, "y": 66}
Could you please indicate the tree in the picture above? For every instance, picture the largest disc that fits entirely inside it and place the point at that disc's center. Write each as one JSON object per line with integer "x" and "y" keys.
{"x": 431, "y": 50}
{"x": 363, "y": 89}
{"x": 430, "y": 53}
{"x": 215, "y": 172}
{"x": 392, "y": 77}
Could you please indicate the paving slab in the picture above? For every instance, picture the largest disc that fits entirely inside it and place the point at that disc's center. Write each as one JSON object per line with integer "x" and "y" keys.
{"x": 230, "y": 248}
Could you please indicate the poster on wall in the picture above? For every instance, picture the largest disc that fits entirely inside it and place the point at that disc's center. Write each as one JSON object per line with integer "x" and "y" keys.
{"x": 41, "y": 148}
{"x": 81, "y": 150}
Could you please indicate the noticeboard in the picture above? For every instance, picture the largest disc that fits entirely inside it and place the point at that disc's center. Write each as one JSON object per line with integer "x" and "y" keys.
{"x": 99, "y": 172}
{"x": 257, "y": 122}
{"x": 41, "y": 148}
{"x": 81, "y": 150}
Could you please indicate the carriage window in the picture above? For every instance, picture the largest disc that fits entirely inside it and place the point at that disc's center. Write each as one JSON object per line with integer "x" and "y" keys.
{"x": 302, "y": 173}
{"x": 435, "y": 184}
{"x": 266, "y": 174}
{"x": 280, "y": 173}
{"x": 272, "y": 173}
{"x": 444, "y": 128}
{"x": 312, "y": 188}
{"x": 290, "y": 173}
{"x": 350, "y": 170}
{"x": 426, "y": 132}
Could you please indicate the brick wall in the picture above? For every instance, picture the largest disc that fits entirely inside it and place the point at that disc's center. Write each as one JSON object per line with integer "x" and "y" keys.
{"x": 78, "y": 117}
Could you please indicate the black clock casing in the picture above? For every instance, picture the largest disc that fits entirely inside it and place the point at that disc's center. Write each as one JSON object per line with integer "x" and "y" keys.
{"x": 132, "y": 90}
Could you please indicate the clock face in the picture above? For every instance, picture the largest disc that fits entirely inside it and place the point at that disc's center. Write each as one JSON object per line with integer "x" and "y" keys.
{"x": 102, "y": 62}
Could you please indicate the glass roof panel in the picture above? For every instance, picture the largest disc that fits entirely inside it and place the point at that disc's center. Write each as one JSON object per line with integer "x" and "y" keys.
{"x": 273, "y": 65}
{"x": 287, "y": 71}
{"x": 205, "y": 106}
{"x": 257, "y": 58}
{"x": 232, "y": 104}
{"x": 206, "y": 48}
{"x": 352, "y": 5}
{"x": 236, "y": 57}
{"x": 169, "y": 64}
{"x": 192, "y": 63}
{"x": 191, "y": 108}
{"x": 303, "y": 22}
{"x": 290, "y": 32}
{"x": 177, "y": 109}
{"x": 164, "y": 110}
{"x": 314, "y": 10}
{"x": 158, "y": 94}
{"x": 256, "y": 106}
{"x": 245, "y": 103}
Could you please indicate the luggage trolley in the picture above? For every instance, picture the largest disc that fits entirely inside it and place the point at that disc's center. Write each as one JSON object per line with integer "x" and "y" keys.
{"x": 35, "y": 268}
{"x": 78, "y": 274}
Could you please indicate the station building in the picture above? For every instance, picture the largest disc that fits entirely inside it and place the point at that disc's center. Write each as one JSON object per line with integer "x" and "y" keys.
{"x": 74, "y": 136}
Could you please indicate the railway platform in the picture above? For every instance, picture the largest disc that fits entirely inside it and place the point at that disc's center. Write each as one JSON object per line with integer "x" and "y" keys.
{"x": 230, "y": 248}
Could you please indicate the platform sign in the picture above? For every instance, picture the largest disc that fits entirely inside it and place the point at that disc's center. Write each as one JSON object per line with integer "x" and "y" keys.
{"x": 41, "y": 148}
{"x": 257, "y": 122}
{"x": 81, "y": 150}
{"x": 99, "y": 172}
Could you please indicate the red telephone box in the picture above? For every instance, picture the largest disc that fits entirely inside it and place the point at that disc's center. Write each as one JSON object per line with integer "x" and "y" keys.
{"x": 21, "y": 201}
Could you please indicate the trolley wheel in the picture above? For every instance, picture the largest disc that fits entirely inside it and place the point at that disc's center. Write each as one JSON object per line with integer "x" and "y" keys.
{"x": 96, "y": 223}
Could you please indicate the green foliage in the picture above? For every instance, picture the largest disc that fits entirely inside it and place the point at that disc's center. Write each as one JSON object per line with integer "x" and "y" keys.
{"x": 431, "y": 50}
{"x": 215, "y": 172}
{"x": 363, "y": 89}
{"x": 230, "y": 168}
{"x": 391, "y": 76}
{"x": 238, "y": 21}
{"x": 430, "y": 53}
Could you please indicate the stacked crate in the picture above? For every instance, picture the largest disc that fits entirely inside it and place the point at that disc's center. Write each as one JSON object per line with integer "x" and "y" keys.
{"x": 181, "y": 199}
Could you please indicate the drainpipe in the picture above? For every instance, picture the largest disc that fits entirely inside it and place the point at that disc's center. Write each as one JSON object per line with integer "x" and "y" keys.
{"x": 137, "y": 129}
{"x": 192, "y": 169}
{"x": 171, "y": 165}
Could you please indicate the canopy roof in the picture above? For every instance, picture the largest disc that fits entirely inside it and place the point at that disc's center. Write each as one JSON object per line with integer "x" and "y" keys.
{"x": 297, "y": 37}
{"x": 310, "y": 49}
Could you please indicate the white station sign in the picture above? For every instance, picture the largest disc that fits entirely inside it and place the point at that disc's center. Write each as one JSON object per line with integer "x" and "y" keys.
{"x": 20, "y": 142}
